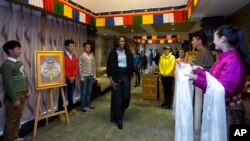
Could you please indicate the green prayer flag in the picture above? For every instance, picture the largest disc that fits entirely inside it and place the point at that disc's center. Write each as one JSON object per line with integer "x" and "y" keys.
{"x": 58, "y": 8}
{"x": 137, "y": 20}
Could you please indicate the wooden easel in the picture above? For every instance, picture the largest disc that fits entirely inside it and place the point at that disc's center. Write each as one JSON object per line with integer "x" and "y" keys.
{"x": 50, "y": 113}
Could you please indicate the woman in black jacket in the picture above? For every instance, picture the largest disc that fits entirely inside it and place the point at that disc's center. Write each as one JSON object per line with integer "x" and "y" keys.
{"x": 120, "y": 67}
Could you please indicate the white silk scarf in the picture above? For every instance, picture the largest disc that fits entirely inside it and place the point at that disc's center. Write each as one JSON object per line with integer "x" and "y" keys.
{"x": 183, "y": 100}
{"x": 214, "y": 126}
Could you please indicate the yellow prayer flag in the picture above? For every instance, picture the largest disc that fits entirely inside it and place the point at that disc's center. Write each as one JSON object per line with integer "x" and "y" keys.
{"x": 147, "y": 19}
{"x": 195, "y": 2}
{"x": 154, "y": 37}
{"x": 67, "y": 11}
{"x": 189, "y": 11}
{"x": 100, "y": 22}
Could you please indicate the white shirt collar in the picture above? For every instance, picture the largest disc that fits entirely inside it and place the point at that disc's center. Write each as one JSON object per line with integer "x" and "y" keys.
{"x": 69, "y": 54}
{"x": 12, "y": 59}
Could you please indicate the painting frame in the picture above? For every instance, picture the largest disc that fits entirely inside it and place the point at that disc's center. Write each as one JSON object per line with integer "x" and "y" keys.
{"x": 49, "y": 69}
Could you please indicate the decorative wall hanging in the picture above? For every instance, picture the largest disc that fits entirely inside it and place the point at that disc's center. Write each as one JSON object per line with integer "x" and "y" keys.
{"x": 76, "y": 12}
{"x": 158, "y": 39}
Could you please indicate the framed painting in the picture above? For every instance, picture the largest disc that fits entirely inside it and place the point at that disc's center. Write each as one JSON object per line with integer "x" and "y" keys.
{"x": 190, "y": 56}
{"x": 49, "y": 69}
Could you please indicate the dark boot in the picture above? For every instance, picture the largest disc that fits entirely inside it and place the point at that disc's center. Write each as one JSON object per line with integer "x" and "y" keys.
{"x": 169, "y": 104}
{"x": 120, "y": 124}
{"x": 164, "y": 104}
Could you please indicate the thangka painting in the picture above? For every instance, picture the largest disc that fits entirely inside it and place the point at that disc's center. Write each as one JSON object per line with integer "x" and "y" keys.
{"x": 50, "y": 70}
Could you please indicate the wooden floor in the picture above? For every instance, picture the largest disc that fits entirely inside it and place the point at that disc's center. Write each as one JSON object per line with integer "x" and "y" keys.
{"x": 143, "y": 121}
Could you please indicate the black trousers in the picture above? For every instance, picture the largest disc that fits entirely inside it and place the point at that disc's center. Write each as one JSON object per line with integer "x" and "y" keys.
{"x": 167, "y": 83}
{"x": 69, "y": 92}
{"x": 138, "y": 75}
{"x": 120, "y": 98}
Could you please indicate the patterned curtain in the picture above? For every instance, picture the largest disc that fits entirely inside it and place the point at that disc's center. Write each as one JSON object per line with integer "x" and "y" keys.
{"x": 36, "y": 31}
{"x": 103, "y": 45}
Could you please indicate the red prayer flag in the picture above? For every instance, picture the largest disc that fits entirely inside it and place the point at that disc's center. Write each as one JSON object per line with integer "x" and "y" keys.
{"x": 88, "y": 19}
{"x": 179, "y": 16}
{"x": 49, "y": 5}
{"x": 127, "y": 20}
{"x": 164, "y": 37}
{"x": 139, "y": 37}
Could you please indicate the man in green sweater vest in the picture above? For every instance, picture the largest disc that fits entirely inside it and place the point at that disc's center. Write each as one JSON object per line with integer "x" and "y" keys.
{"x": 15, "y": 84}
